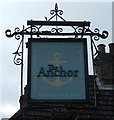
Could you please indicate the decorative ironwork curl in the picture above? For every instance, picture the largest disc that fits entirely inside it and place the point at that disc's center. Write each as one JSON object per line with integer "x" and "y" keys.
{"x": 17, "y": 60}
{"x": 17, "y": 29}
{"x": 96, "y": 35}
{"x": 56, "y": 11}
{"x": 18, "y": 35}
{"x": 79, "y": 29}
{"x": 8, "y": 33}
{"x": 104, "y": 34}
{"x": 18, "y": 55}
{"x": 52, "y": 12}
{"x": 35, "y": 29}
{"x": 96, "y": 30}
{"x": 56, "y": 30}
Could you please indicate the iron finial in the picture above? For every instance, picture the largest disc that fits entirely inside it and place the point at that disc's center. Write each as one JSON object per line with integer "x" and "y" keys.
{"x": 56, "y": 7}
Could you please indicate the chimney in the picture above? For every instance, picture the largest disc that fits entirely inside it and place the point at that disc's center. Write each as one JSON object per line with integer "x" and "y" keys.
{"x": 101, "y": 48}
{"x": 111, "y": 47}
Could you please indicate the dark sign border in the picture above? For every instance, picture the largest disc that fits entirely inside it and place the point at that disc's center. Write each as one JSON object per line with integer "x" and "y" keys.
{"x": 29, "y": 44}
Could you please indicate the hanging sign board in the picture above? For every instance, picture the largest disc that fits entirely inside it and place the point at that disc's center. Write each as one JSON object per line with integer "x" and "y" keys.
{"x": 57, "y": 69}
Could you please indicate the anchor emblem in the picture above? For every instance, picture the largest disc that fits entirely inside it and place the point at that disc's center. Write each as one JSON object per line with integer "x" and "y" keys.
{"x": 57, "y": 82}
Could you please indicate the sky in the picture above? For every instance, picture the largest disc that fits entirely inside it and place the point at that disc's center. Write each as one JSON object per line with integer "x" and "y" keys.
{"x": 16, "y": 13}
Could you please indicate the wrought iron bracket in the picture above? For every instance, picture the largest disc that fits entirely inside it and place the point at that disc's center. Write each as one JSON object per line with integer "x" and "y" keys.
{"x": 80, "y": 29}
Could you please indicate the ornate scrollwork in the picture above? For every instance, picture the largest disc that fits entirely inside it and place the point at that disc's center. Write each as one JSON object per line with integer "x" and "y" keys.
{"x": 18, "y": 56}
{"x": 35, "y": 29}
{"x": 17, "y": 29}
{"x": 8, "y": 33}
{"x": 56, "y": 11}
{"x": 17, "y": 33}
{"x": 97, "y": 35}
{"x": 18, "y": 36}
{"x": 104, "y": 34}
{"x": 79, "y": 30}
{"x": 56, "y": 30}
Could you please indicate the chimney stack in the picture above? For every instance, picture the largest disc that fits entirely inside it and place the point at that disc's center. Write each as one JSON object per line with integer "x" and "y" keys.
{"x": 101, "y": 48}
{"x": 111, "y": 47}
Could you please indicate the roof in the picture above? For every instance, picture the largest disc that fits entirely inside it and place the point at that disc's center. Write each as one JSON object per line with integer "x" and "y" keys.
{"x": 100, "y": 106}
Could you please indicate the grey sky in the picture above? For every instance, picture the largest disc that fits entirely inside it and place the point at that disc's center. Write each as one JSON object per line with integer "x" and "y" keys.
{"x": 16, "y": 14}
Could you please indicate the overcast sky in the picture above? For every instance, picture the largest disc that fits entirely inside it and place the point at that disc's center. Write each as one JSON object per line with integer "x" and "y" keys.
{"x": 15, "y": 14}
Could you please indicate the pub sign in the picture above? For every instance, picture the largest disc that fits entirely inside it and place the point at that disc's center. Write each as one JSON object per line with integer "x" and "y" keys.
{"x": 57, "y": 69}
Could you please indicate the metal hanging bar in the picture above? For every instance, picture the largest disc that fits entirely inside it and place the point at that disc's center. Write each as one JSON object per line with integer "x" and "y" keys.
{"x": 59, "y": 23}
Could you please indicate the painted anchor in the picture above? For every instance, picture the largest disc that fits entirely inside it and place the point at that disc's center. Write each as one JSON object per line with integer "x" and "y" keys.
{"x": 58, "y": 82}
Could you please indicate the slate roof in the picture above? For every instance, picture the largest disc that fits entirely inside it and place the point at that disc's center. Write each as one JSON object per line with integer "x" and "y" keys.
{"x": 104, "y": 108}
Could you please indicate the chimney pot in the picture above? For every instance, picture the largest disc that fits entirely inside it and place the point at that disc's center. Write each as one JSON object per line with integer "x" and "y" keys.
{"x": 101, "y": 48}
{"x": 111, "y": 47}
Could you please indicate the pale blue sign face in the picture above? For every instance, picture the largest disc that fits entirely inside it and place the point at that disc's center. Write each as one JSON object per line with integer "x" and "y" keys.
{"x": 58, "y": 71}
